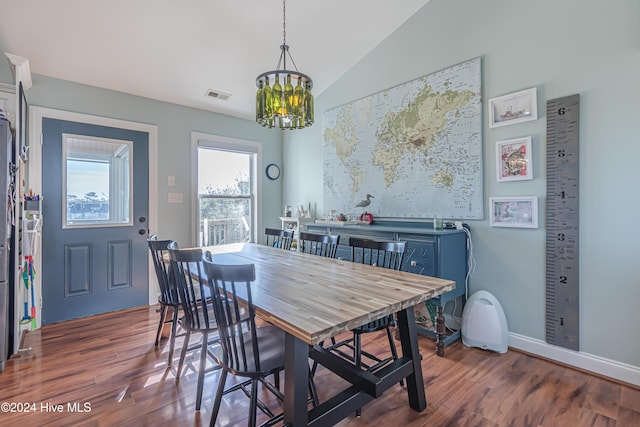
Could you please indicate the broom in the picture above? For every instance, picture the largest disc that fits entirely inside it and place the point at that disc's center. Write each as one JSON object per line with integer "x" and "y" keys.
{"x": 32, "y": 275}
{"x": 25, "y": 277}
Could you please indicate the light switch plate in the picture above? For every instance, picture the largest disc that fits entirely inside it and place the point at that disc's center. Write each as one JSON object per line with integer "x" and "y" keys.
{"x": 174, "y": 198}
{"x": 171, "y": 181}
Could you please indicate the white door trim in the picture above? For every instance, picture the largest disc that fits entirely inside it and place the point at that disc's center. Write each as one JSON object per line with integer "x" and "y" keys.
{"x": 34, "y": 171}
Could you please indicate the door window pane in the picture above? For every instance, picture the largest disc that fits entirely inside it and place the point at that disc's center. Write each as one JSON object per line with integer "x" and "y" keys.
{"x": 87, "y": 187}
{"x": 97, "y": 184}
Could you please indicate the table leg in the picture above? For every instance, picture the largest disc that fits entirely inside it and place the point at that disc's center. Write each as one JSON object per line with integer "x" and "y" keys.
{"x": 296, "y": 380}
{"x": 440, "y": 331}
{"x": 409, "y": 342}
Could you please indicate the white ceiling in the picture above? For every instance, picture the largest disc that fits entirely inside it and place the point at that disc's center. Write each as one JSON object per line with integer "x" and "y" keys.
{"x": 175, "y": 51}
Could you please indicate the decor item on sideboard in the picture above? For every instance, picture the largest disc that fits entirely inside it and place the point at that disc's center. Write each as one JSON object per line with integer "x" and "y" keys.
{"x": 366, "y": 217}
{"x": 513, "y": 159}
{"x": 519, "y": 212}
{"x": 364, "y": 203}
{"x": 284, "y": 105}
{"x": 513, "y": 108}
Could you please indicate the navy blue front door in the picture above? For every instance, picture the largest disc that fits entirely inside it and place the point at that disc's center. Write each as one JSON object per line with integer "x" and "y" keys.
{"x": 92, "y": 268}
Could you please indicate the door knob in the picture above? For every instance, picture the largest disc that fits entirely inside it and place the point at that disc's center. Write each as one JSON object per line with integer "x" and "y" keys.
{"x": 142, "y": 232}
{"x": 142, "y": 219}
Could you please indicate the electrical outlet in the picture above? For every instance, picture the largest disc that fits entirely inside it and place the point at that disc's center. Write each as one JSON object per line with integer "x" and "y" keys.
{"x": 458, "y": 225}
{"x": 174, "y": 198}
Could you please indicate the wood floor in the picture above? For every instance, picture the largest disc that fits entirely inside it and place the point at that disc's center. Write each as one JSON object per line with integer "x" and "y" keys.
{"x": 107, "y": 367}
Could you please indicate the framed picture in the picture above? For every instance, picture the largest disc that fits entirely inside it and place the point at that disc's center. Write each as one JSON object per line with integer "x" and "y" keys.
{"x": 513, "y": 108}
{"x": 519, "y": 212}
{"x": 513, "y": 159}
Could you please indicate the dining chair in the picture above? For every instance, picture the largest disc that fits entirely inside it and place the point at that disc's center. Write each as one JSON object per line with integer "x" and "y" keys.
{"x": 318, "y": 244}
{"x": 168, "y": 298}
{"x": 322, "y": 245}
{"x": 245, "y": 351}
{"x": 279, "y": 238}
{"x": 382, "y": 254}
{"x": 194, "y": 296}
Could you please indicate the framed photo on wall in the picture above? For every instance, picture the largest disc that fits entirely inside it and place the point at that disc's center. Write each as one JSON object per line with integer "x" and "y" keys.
{"x": 513, "y": 159}
{"x": 513, "y": 108}
{"x": 520, "y": 212}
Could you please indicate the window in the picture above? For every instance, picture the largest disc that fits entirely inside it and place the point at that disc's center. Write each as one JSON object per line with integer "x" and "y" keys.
{"x": 226, "y": 193}
{"x": 97, "y": 181}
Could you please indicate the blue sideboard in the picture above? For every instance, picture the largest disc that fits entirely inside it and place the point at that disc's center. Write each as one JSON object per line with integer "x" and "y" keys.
{"x": 437, "y": 253}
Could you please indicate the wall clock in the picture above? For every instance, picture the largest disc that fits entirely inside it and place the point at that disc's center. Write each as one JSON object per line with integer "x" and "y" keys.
{"x": 273, "y": 171}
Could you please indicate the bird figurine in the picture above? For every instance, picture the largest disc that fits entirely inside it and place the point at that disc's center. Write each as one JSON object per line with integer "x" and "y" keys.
{"x": 366, "y": 202}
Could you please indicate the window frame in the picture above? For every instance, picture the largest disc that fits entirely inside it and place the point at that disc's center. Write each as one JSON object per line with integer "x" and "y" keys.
{"x": 216, "y": 142}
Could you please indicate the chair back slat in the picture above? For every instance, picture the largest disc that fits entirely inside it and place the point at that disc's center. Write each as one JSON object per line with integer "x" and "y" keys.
{"x": 382, "y": 254}
{"x": 279, "y": 238}
{"x": 235, "y": 314}
{"x": 160, "y": 255}
{"x": 191, "y": 284}
{"x": 319, "y": 244}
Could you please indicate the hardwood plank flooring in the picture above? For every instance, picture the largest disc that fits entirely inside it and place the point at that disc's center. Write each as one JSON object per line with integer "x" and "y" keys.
{"x": 108, "y": 368}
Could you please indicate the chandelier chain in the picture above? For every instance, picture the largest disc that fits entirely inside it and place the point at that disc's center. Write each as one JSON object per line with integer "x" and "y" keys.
{"x": 284, "y": 22}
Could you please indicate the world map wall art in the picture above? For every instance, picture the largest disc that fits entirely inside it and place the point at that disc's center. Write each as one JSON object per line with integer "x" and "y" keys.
{"x": 417, "y": 147}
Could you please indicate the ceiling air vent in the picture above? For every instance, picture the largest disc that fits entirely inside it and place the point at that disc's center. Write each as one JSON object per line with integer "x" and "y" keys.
{"x": 217, "y": 94}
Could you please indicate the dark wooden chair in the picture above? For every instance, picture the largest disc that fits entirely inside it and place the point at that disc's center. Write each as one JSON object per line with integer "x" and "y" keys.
{"x": 322, "y": 245}
{"x": 195, "y": 301}
{"x": 168, "y": 298}
{"x": 385, "y": 255}
{"x": 245, "y": 350}
{"x": 318, "y": 244}
{"x": 279, "y": 238}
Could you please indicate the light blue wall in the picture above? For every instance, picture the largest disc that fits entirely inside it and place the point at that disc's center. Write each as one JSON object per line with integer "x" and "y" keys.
{"x": 175, "y": 124}
{"x": 590, "y": 47}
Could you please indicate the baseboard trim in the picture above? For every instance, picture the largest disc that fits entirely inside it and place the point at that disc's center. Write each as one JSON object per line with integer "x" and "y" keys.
{"x": 617, "y": 371}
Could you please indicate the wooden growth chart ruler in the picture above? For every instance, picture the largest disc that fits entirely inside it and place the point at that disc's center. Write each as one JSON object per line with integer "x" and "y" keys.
{"x": 562, "y": 284}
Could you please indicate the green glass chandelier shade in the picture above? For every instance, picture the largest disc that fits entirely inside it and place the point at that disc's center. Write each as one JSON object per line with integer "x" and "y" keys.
{"x": 284, "y": 98}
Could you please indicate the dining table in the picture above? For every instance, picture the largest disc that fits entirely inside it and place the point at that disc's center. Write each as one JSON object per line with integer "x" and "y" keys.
{"x": 313, "y": 299}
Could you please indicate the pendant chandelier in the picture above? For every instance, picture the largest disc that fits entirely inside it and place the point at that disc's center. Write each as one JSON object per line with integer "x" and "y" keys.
{"x": 287, "y": 104}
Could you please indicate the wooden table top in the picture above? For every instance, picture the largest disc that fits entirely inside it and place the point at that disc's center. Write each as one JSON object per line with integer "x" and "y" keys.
{"x": 315, "y": 298}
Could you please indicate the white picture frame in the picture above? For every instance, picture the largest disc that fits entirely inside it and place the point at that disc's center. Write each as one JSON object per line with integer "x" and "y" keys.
{"x": 516, "y": 107}
{"x": 513, "y": 159}
{"x": 517, "y": 212}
